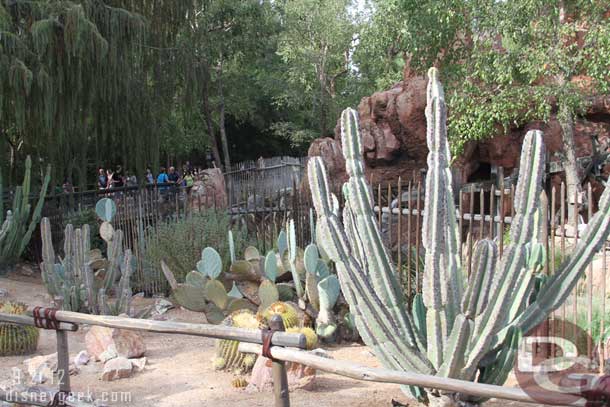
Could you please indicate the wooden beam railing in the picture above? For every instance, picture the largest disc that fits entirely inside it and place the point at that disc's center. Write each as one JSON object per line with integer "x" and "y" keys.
{"x": 371, "y": 374}
{"x": 285, "y": 347}
{"x": 64, "y": 322}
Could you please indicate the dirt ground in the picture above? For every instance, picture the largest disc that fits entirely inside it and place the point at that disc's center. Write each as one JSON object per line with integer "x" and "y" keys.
{"x": 179, "y": 371}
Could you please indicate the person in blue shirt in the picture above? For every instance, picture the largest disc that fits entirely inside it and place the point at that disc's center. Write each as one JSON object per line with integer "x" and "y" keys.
{"x": 102, "y": 179}
{"x": 162, "y": 177}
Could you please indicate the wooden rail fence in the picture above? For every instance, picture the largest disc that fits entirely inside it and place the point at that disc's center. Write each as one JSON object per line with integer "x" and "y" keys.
{"x": 285, "y": 347}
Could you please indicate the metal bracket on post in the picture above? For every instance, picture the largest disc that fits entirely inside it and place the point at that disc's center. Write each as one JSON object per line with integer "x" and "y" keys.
{"x": 278, "y": 369}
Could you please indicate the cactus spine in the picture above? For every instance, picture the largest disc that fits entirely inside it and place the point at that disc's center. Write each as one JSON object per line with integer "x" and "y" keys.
{"x": 20, "y": 221}
{"x": 457, "y": 321}
{"x": 16, "y": 339}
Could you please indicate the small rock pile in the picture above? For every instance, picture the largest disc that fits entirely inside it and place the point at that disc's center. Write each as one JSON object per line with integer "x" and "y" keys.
{"x": 121, "y": 351}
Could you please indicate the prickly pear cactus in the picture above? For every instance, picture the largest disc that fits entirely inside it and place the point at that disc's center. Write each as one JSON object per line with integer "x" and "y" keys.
{"x": 227, "y": 356}
{"x": 16, "y": 339}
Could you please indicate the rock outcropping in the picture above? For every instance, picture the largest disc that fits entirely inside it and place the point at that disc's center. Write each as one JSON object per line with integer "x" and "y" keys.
{"x": 393, "y": 128}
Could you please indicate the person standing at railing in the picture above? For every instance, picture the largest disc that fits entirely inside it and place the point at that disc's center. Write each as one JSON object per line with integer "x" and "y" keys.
{"x": 131, "y": 180}
{"x": 102, "y": 179}
{"x": 162, "y": 179}
{"x": 150, "y": 178}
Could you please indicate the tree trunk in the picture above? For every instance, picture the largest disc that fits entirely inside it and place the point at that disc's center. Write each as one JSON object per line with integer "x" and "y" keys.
{"x": 221, "y": 111}
{"x": 566, "y": 121}
{"x": 570, "y": 166}
{"x": 207, "y": 113}
{"x": 322, "y": 80}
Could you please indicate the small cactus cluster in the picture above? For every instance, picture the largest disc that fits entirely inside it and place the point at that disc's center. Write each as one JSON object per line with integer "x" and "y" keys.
{"x": 227, "y": 355}
{"x": 20, "y": 221}
{"x": 16, "y": 339}
{"x": 322, "y": 290}
{"x": 72, "y": 280}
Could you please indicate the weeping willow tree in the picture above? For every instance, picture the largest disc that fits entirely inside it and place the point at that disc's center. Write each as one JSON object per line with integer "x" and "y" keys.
{"x": 84, "y": 83}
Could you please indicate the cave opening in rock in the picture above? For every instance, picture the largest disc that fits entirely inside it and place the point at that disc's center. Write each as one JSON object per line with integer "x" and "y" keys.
{"x": 482, "y": 173}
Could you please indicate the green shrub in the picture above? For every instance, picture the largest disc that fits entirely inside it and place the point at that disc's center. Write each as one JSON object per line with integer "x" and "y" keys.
{"x": 180, "y": 243}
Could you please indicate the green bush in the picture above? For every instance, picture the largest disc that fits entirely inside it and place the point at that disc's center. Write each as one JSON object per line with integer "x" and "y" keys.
{"x": 180, "y": 243}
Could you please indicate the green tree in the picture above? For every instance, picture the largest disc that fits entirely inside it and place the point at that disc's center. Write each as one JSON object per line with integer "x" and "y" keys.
{"x": 505, "y": 63}
{"x": 315, "y": 44}
{"x": 82, "y": 82}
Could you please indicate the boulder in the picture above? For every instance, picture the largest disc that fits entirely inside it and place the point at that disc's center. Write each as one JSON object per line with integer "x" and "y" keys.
{"x": 209, "y": 190}
{"x": 393, "y": 130}
{"x": 299, "y": 376}
{"x": 117, "y": 368}
{"x": 109, "y": 353}
{"x": 125, "y": 343}
{"x": 41, "y": 367}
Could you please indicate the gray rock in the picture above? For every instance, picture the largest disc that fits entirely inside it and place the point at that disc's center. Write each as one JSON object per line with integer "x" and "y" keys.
{"x": 109, "y": 353}
{"x": 81, "y": 359}
{"x": 117, "y": 368}
{"x": 162, "y": 306}
{"x": 138, "y": 364}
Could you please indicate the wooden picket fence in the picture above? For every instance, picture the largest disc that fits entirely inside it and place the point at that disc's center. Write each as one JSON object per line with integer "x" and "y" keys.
{"x": 485, "y": 211}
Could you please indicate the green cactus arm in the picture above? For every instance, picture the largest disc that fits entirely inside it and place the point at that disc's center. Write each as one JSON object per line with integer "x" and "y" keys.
{"x": 443, "y": 282}
{"x": 484, "y": 260}
{"x": 380, "y": 269}
{"x": 506, "y": 281}
{"x": 395, "y": 347}
{"x": 231, "y": 246}
{"x": 561, "y": 284}
{"x": 115, "y": 248}
{"x": 456, "y": 347}
{"x": 37, "y": 211}
{"x": 292, "y": 250}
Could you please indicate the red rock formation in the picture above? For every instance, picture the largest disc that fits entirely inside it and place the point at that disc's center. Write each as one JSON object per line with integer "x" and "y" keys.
{"x": 393, "y": 128}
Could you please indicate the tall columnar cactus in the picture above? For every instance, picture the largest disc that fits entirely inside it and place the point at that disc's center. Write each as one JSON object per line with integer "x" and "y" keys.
{"x": 72, "y": 277}
{"x": 458, "y": 323}
{"x": 20, "y": 221}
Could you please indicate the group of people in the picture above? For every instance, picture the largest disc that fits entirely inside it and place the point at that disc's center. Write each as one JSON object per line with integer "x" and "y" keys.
{"x": 111, "y": 179}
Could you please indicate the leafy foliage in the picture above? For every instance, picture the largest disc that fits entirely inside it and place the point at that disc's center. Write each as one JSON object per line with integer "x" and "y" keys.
{"x": 506, "y": 63}
{"x": 180, "y": 243}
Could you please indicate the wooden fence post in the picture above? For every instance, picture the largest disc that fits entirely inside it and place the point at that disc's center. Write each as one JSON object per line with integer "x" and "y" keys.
{"x": 63, "y": 363}
{"x": 278, "y": 370}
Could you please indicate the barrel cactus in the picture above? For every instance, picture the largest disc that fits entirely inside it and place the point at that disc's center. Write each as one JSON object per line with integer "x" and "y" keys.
{"x": 459, "y": 323}
{"x": 16, "y": 339}
{"x": 289, "y": 315}
{"x": 227, "y": 356}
